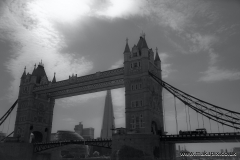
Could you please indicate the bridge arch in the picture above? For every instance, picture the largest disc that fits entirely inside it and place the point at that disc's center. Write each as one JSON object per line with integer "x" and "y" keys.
{"x": 154, "y": 128}
{"x": 36, "y": 137}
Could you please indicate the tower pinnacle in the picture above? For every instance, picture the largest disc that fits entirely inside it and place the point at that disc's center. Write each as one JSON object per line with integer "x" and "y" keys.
{"x": 127, "y": 49}
{"x": 54, "y": 78}
{"x": 157, "y": 56}
{"x": 24, "y": 73}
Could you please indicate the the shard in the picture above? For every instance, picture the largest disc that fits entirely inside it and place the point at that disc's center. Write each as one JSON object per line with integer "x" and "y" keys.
{"x": 108, "y": 117}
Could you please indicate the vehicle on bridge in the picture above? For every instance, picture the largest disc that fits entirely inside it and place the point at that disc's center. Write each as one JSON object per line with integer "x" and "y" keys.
{"x": 197, "y": 131}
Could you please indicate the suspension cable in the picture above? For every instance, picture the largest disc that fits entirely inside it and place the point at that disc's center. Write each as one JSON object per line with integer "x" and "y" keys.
{"x": 193, "y": 101}
{"x": 186, "y": 116}
{"x": 164, "y": 116}
{"x": 176, "y": 114}
{"x": 3, "y": 127}
{"x": 189, "y": 119}
{"x": 210, "y": 125}
{"x": 202, "y": 118}
{"x": 9, "y": 122}
{"x": 197, "y": 119}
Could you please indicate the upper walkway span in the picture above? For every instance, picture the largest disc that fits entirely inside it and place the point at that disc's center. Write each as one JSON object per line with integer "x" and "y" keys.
{"x": 99, "y": 81}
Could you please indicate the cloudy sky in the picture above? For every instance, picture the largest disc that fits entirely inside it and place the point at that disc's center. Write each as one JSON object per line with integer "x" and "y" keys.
{"x": 197, "y": 40}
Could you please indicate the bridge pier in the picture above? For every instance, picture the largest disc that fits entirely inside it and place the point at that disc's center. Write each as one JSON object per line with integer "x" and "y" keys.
{"x": 146, "y": 145}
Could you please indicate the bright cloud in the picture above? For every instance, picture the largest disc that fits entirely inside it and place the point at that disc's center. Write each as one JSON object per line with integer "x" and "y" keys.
{"x": 201, "y": 42}
{"x": 60, "y": 10}
{"x": 118, "y": 64}
{"x": 34, "y": 38}
{"x": 215, "y": 74}
{"x": 166, "y": 67}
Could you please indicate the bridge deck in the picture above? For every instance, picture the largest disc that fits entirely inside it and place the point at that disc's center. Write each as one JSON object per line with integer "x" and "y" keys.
{"x": 40, "y": 147}
{"x": 203, "y": 138}
{"x": 107, "y": 143}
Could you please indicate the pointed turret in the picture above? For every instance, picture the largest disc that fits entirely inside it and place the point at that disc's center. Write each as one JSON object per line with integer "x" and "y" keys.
{"x": 24, "y": 73}
{"x": 142, "y": 42}
{"x": 54, "y": 78}
{"x": 34, "y": 68}
{"x": 157, "y": 60}
{"x": 127, "y": 49}
{"x": 157, "y": 56}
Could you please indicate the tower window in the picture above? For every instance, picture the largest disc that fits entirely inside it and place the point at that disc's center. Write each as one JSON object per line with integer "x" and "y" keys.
{"x": 141, "y": 121}
{"x": 135, "y": 54}
{"x": 136, "y": 86}
{"x": 137, "y": 122}
{"x": 141, "y": 103}
{"x": 139, "y": 64}
{"x": 140, "y": 86}
{"x": 135, "y": 65}
{"x": 132, "y": 87}
{"x": 133, "y": 122}
{"x": 136, "y": 103}
{"x": 131, "y": 65}
{"x": 132, "y": 103}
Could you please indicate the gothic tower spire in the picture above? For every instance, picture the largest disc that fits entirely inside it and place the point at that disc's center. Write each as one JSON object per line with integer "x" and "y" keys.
{"x": 108, "y": 117}
{"x": 24, "y": 73}
{"x": 54, "y": 78}
{"x": 127, "y": 49}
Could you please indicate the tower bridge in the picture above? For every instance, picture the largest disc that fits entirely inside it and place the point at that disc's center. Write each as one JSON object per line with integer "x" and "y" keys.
{"x": 142, "y": 78}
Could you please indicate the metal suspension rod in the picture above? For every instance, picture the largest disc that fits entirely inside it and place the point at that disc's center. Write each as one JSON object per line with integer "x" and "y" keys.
{"x": 189, "y": 119}
{"x": 223, "y": 128}
{"x": 210, "y": 125}
{"x": 9, "y": 122}
{"x": 197, "y": 119}
{"x": 218, "y": 127}
{"x": 176, "y": 114}
{"x": 203, "y": 121}
{"x": 186, "y": 117}
{"x": 164, "y": 116}
{"x": 3, "y": 127}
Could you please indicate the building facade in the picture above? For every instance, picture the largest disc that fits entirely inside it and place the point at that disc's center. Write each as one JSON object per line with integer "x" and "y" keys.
{"x": 79, "y": 128}
{"x": 88, "y": 133}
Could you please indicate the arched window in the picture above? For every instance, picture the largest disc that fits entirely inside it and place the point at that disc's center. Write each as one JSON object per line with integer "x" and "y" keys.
{"x": 141, "y": 121}
{"x": 136, "y": 103}
{"x": 137, "y": 122}
{"x": 132, "y": 103}
{"x": 133, "y": 122}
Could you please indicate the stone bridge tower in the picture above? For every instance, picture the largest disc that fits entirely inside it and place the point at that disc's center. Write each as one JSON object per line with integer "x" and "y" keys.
{"x": 35, "y": 112}
{"x": 144, "y": 112}
{"x": 143, "y": 107}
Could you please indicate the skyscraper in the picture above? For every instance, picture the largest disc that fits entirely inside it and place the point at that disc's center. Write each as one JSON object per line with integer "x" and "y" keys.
{"x": 79, "y": 128}
{"x": 108, "y": 117}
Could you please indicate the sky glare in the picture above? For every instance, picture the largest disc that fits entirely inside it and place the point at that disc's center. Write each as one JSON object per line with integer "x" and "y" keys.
{"x": 198, "y": 44}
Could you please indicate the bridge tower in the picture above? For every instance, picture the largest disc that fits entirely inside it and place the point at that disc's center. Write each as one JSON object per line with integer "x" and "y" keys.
{"x": 35, "y": 112}
{"x": 143, "y": 106}
{"x": 144, "y": 112}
